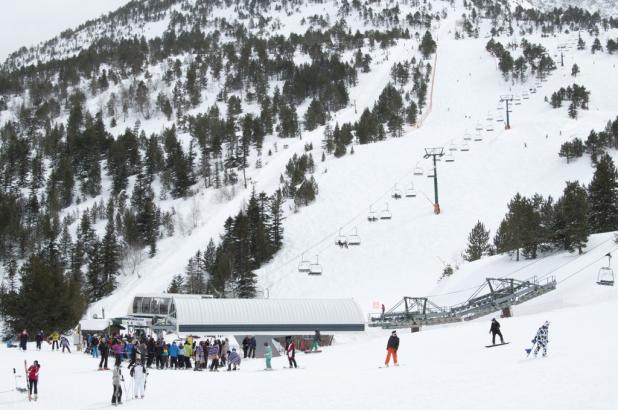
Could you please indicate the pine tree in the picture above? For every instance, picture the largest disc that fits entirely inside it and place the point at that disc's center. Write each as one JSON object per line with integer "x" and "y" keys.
{"x": 478, "y": 243}
{"x": 603, "y": 197}
{"x": 428, "y": 45}
{"x": 176, "y": 285}
{"x": 571, "y": 218}
{"x": 110, "y": 255}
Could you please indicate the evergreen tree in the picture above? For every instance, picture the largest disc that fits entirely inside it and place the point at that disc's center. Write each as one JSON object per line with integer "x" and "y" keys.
{"x": 315, "y": 115}
{"x": 110, "y": 256}
{"x": 176, "y": 285}
{"x": 603, "y": 197}
{"x": 478, "y": 243}
{"x": 571, "y": 218}
{"x": 428, "y": 45}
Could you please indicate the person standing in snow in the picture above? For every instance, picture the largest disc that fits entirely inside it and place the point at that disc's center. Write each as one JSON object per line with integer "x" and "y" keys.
{"x": 541, "y": 339}
{"x": 245, "y": 346}
{"x": 33, "y": 380}
{"x": 252, "y": 346}
{"x": 391, "y": 347}
{"x": 495, "y": 330}
{"x": 292, "y": 354}
{"x": 116, "y": 379}
{"x": 268, "y": 355}
{"x": 138, "y": 372}
{"x": 95, "y": 347}
{"x": 225, "y": 349}
{"x": 104, "y": 350}
{"x": 23, "y": 340}
{"x": 39, "y": 339}
{"x": 173, "y": 352}
{"x": 213, "y": 356}
{"x": 316, "y": 340}
{"x": 64, "y": 342}
{"x": 199, "y": 357}
{"x": 234, "y": 360}
{"x": 55, "y": 336}
{"x": 188, "y": 350}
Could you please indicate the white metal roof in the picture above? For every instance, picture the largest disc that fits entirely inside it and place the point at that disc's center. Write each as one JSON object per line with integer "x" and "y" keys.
{"x": 268, "y": 315}
{"x": 93, "y": 324}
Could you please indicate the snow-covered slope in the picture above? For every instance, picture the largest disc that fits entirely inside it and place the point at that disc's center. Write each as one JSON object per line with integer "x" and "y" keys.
{"x": 607, "y": 8}
{"x": 441, "y": 367}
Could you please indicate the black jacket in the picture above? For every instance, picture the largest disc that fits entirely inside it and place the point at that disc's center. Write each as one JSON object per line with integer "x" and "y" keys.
{"x": 495, "y": 327}
{"x": 393, "y": 342}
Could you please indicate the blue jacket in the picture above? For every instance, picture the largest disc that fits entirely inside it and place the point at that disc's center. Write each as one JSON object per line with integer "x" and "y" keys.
{"x": 173, "y": 351}
{"x": 234, "y": 358}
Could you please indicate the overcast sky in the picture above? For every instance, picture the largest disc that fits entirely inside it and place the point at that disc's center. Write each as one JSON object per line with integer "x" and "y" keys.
{"x": 27, "y": 22}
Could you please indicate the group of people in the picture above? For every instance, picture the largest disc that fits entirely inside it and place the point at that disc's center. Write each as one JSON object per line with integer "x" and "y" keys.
{"x": 55, "y": 339}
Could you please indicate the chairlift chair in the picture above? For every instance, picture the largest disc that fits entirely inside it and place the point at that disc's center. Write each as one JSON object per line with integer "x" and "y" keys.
{"x": 500, "y": 118}
{"x": 533, "y": 90}
{"x": 489, "y": 127}
{"x": 430, "y": 173}
{"x": 452, "y": 146}
{"x": 354, "y": 239}
{"x": 303, "y": 265}
{"x": 525, "y": 96}
{"x": 489, "y": 117}
{"x": 315, "y": 268}
{"x": 340, "y": 239}
{"x": 386, "y": 213}
{"x": 411, "y": 192}
{"x": 479, "y": 127}
{"x": 606, "y": 273}
{"x": 396, "y": 193}
{"x": 372, "y": 216}
{"x": 465, "y": 147}
{"x": 467, "y": 136}
{"x": 517, "y": 100}
{"x": 418, "y": 170}
{"x": 449, "y": 157}
{"x": 478, "y": 137}
{"x": 500, "y": 106}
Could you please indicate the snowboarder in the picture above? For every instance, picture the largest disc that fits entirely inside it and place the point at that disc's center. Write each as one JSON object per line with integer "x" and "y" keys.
{"x": 292, "y": 354}
{"x": 233, "y": 360}
{"x": 33, "y": 380}
{"x": 138, "y": 372}
{"x": 391, "y": 347}
{"x": 116, "y": 379}
{"x": 39, "y": 339}
{"x": 316, "y": 340}
{"x": 268, "y": 355}
{"x": 495, "y": 330}
{"x": 541, "y": 339}
{"x": 64, "y": 342}
{"x": 23, "y": 340}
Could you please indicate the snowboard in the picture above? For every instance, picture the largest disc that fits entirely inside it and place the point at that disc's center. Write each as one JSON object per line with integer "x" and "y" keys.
{"x": 314, "y": 351}
{"x": 498, "y": 344}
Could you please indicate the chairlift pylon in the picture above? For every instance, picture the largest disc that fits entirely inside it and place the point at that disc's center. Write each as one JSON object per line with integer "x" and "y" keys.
{"x": 606, "y": 273}
{"x": 315, "y": 268}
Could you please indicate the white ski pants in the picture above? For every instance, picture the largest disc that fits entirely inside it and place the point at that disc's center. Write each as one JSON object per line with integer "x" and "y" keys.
{"x": 138, "y": 387}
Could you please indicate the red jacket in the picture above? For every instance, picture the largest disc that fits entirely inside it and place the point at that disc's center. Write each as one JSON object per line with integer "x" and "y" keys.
{"x": 33, "y": 372}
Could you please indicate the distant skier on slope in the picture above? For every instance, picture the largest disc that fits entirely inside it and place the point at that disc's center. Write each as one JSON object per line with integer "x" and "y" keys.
{"x": 23, "y": 340}
{"x": 541, "y": 339}
{"x": 138, "y": 372}
{"x": 316, "y": 340}
{"x": 495, "y": 330}
{"x": 268, "y": 355}
{"x": 391, "y": 347}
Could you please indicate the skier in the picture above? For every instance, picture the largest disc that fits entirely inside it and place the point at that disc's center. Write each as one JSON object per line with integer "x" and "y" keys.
{"x": 199, "y": 357}
{"x": 104, "y": 350}
{"x": 225, "y": 349}
{"x": 33, "y": 379}
{"x": 234, "y": 360}
{"x": 292, "y": 354}
{"x": 391, "y": 347}
{"x": 116, "y": 379}
{"x": 541, "y": 339}
{"x": 55, "y": 336}
{"x": 138, "y": 372}
{"x": 23, "y": 340}
{"x": 316, "y": 340}
{"x": 188, "y": 353}
{"x": 268, "y": 355}
{"x": 64, "y": 342}
{"x": 495, "y": 330}
{"x": 213, "y": 356}
{"x": 39, "y": 339}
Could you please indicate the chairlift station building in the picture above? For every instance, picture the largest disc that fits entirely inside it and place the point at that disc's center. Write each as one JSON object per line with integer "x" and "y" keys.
{"x": 204, "y": 315}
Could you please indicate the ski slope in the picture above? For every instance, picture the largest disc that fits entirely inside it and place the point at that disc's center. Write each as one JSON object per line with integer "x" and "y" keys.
{"x": 442, "y": 367}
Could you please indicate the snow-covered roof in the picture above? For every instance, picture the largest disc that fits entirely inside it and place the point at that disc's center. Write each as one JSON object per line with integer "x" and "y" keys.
{"x": 93, "y": 324}
{"x": 267, "y": 315}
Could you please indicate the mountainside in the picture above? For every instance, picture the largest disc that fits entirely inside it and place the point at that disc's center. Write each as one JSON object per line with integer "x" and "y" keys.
{"x": 604, "y": 7}
{"x": 277, "y": 129}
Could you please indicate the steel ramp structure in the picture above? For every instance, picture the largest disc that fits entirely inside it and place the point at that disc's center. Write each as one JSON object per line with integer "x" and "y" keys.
{"x": 493, "y": 295}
